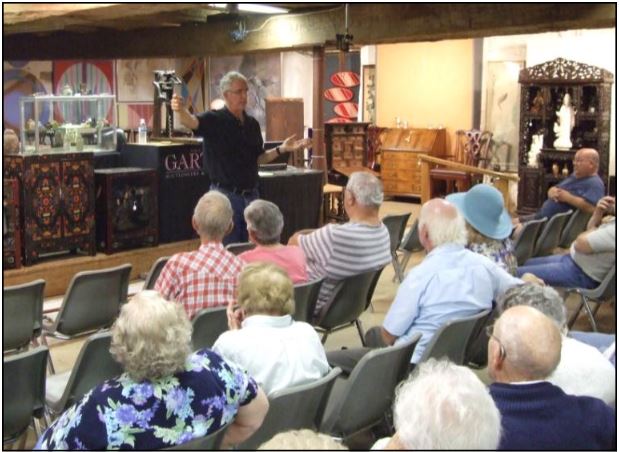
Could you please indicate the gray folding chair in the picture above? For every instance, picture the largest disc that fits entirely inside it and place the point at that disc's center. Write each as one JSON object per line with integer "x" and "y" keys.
{"x": 93, "y": 366}
{"x": 525, "y": 242}
{"x": 294, "y": 408}
{"x": 305, "y": 296}
{"x": 238, "y": 248}
{"x": 22, "y": 314}
{"x": 92, "y": 302}
{"x": 410, "y": 244}
{"x": 477, "y": 349}
{"x": 396, "y": 224}
{"x": 452, "y": 339}
{"x": 349, "y": 300}
{"x": 365, "y": 398}
{"x": 23, "y": 387}
{"x": 604, "y": 292}
{"x": 551, "y": 234}
{"x": 208, "y": 442}
{"x": 576, "y": 224}
{"x": 155, "y": 271}
{"x": 208, "y": 324}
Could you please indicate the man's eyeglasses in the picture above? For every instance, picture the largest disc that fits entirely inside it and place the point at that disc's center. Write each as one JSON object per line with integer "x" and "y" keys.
{"x": 490, "y": 333}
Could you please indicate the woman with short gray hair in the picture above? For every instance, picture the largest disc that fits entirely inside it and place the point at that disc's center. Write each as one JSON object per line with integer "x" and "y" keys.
{"x": 167, "y": 396}
{"x": 264, "y": 227}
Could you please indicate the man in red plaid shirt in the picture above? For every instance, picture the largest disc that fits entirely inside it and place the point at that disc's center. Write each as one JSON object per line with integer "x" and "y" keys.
{"x": 205, "y": 278}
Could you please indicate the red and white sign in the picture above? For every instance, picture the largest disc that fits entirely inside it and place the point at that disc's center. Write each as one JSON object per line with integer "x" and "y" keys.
{"x": 346, "y": 110}
{"x": 345, "y": 79}
{"x": 338, "y": 94}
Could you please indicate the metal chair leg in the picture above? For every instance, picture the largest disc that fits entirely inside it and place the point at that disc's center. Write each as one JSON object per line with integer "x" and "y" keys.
{"x": 360, "y": 330}
{"x": 590, "y": 314}
{"x": 324, "y": 337}
{"x": 50, "y": 364}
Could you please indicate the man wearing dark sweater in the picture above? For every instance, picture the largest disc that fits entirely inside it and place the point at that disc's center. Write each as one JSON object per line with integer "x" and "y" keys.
{"x": 523, "y": 349}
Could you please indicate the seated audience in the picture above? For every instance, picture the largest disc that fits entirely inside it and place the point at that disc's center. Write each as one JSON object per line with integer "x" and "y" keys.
{"x": 488, "y": 224}
{"x": 443, "y": 406}
{"x": 264, "y": 226}
{"x": 264, "y": 339}
{"x": 591, "y": 256}
{"x": 166, "y": 396}
{"x": 524, "y": 348}
{"x": 205, "y": 278}
{"x": 581, "y": 190}
{"x": 583, "y": 370}
{"x": 338, "y": 251}
{"x": 451, "y": 282}
{"x": 302, "y": 440}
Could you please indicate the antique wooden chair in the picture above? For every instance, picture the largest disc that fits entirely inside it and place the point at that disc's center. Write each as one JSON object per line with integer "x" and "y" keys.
{"x": 473, "y": 149}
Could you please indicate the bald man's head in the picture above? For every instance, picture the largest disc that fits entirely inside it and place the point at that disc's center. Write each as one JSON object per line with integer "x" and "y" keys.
{"x": 532, "y": 343}
{"x": 440, "y": 222}
{"x": 586, "y": 162}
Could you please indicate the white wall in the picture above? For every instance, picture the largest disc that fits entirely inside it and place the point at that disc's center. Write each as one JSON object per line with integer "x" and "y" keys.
{"x": 594, "y": 47}
{"x": 297, "y": 81}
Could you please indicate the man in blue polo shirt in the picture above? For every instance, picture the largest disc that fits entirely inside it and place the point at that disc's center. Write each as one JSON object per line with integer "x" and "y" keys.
{"x": 581, "y": 190}
{"x": 233, "y": 148}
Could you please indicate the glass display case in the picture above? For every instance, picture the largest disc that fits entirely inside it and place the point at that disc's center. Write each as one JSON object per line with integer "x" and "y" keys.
{"x": 68, "y": 123}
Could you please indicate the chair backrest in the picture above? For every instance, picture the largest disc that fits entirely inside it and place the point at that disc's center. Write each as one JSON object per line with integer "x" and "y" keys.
{"x": 411, "y": 242}
{"x": 238, "y": 248}
{"x": 574, "y": 226}
{"x": 477, "y": 349}
{"x": 305, "y": 296}
{"x": 208, "y": 324}
{"x": 22, "y": 313}
{"x": 294, "y": 408}
{"x": 369, "y": 391}
{"x": 473, "y": 147}
{"x": 551, "y": 234}
{"x": 372, "y": 288}
{"x": 452, "y": 339}
{"x": 606, "y": 289}
{"x": 349, "y": 300}
{"x": 396, "y": 224}
{"x": 93, "y": 300}
{"x": 93, "y": 366}
{"x": 154, "y": 272}
{"x": 23, "y": 385}
{"x": 525, "y": 243}
{"x": 208, "y": 442}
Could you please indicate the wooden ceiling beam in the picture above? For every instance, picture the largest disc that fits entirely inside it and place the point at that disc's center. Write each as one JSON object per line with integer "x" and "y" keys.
{"x": 368, "y": 23}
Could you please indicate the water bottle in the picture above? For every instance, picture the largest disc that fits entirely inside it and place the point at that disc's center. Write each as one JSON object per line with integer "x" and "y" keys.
{"x": 142, "y": 132}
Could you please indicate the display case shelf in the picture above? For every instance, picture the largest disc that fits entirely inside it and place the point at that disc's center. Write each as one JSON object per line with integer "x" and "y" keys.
{"x": 51, "y": 123}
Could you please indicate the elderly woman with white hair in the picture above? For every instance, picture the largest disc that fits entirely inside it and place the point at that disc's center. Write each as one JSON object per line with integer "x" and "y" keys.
{"x": 443, "y": 406}
{"x": 264, "y": 339}
{"x": 264, "y": 226}
{"x": 166, "y": 396}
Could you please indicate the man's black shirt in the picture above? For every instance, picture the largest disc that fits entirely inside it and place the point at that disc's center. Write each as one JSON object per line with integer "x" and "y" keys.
{"x": 231, "y": 148}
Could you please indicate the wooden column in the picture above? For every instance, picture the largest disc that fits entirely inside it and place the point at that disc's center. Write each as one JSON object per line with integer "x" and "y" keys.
{"x": 318, "y": 143}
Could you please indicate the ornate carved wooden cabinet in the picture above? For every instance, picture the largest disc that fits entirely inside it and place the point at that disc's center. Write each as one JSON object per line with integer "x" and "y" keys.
{"x": 11, "y": 231}
{"x": 57, "y": 193}
{"x": 400, "y": 150}
{"x": 346, "y": 145}
{"x": 127, "y": 208}
{"x": 543, "y": 88}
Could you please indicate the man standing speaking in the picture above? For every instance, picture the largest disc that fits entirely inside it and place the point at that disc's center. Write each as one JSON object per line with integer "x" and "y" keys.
{"x": 233, "y": 148}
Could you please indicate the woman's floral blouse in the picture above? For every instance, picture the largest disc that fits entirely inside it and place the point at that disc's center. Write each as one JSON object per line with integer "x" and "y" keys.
{"x": 499, "y": 251}
{"x": 125, "y": 414}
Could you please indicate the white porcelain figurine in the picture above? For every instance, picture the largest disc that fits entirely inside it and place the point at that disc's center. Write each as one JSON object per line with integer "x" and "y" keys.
{"x": 566, "y": 119}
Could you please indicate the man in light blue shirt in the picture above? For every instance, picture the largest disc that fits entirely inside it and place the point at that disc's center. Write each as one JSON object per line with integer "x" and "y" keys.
{"x": 451, "y": 282}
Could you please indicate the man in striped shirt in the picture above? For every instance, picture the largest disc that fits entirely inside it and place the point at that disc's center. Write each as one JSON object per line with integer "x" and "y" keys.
{"x": 205, "y": 278}
{"x": 338, "y": 251}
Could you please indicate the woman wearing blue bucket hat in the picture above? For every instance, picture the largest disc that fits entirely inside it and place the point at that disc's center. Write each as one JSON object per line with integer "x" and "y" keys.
{"x": 488, "y": 224}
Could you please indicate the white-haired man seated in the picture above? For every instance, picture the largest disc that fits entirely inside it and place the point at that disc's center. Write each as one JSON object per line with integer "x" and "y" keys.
{"x": 205, "y": 278}
{"x": 443, "y": 406}
{"x": 338, "y": 251}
